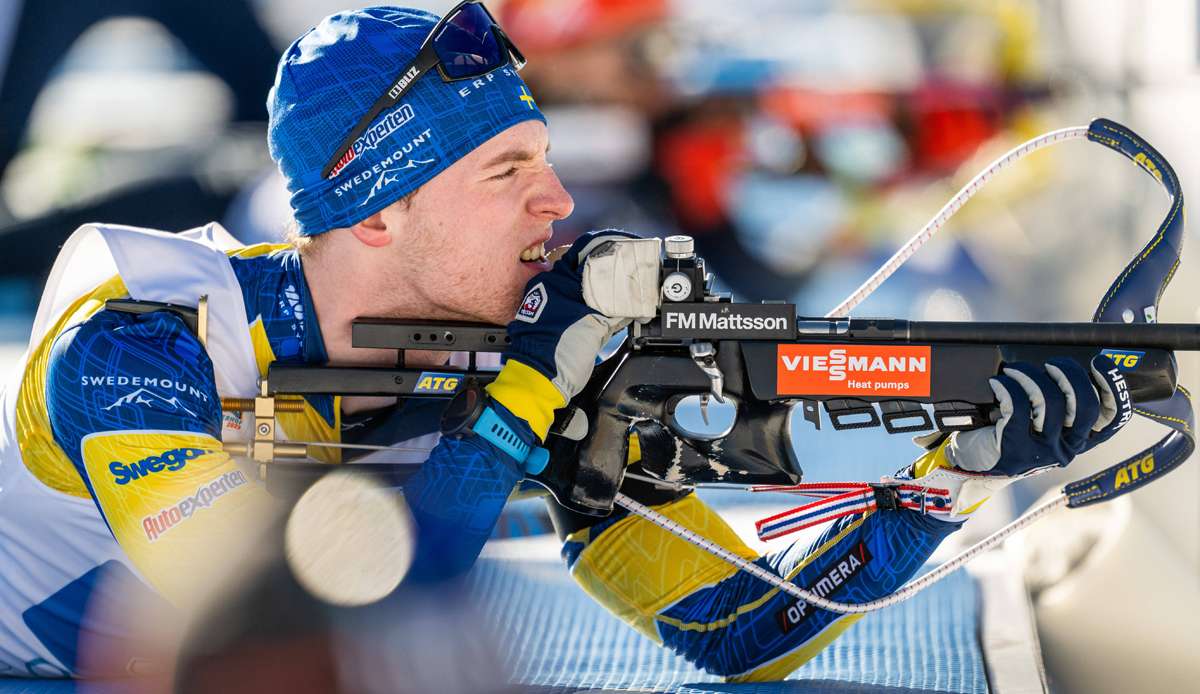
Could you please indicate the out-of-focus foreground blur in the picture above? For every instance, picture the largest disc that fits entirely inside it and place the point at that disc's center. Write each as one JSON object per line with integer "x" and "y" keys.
{"x": 800, "y": 142}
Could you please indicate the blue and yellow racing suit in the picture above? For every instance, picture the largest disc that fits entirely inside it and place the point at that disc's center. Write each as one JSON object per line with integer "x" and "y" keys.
{"x": 119, "y": 411}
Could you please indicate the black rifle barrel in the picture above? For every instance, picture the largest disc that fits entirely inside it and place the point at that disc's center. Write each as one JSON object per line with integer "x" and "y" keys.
{"x": 1172, "y": 336}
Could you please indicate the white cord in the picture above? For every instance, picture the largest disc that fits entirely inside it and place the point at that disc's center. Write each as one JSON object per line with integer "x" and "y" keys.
{"x": 900, "y": 595}
{"x": 968, "y": 191}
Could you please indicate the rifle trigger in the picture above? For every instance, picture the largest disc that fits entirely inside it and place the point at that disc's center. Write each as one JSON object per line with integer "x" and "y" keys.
{"x": 570, "y": 423}
{"x": 704, "y": 408}
{"x": 703, "y": 354}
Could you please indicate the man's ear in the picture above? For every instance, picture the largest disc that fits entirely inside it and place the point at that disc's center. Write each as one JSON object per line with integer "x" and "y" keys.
{"x": 372, "y": 231}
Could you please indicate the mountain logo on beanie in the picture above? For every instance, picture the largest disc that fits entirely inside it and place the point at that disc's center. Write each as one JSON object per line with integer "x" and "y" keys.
{"x": 390, "y": 176}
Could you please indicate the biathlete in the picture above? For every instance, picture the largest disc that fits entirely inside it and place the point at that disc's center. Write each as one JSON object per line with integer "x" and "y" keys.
{"x": 416, "y": 159}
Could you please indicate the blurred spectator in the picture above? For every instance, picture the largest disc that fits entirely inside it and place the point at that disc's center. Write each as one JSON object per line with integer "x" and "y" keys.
{"x": 774, "y": 149}
{"x": 607, "y": 55}
{"x": 180, "y": 174}
{"x": 224, "y": 35}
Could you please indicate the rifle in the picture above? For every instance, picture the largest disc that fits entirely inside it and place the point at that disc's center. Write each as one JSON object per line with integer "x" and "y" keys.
{"x": 759, "y": 361}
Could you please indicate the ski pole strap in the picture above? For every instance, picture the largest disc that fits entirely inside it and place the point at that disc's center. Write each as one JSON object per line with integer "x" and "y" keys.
{"x": 846, "y": 498}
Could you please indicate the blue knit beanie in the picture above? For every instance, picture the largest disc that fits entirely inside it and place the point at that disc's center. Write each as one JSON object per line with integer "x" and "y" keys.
{"x": 329, "y": 78}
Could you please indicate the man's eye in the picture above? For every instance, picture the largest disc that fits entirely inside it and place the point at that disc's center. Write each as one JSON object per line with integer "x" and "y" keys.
{"x": 512, "y": 170}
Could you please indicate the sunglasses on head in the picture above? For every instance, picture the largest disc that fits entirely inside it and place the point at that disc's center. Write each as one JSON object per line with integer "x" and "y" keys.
{"x": 466, "y": 43}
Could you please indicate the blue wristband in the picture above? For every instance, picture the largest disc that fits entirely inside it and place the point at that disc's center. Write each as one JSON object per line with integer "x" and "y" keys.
{"x": 493, "y": 428}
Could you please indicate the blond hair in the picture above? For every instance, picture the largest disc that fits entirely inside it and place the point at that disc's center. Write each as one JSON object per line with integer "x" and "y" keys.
{"x": 307, "y": 246}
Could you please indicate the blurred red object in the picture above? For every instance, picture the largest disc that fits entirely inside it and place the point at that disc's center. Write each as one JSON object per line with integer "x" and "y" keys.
{"x": 699, "y": 161}
{"x": 811, "y": 110}
{"x": 541, "y": 26}
{"x": 945, "y": 122}
{"x": 950, "y": 121}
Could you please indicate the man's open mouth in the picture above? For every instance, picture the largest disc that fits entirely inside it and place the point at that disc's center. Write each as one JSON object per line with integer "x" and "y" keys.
{"x": 534, "y": 254}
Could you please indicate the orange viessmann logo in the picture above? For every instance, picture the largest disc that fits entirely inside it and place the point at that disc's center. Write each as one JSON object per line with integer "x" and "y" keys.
{"x": 853, "y": 370}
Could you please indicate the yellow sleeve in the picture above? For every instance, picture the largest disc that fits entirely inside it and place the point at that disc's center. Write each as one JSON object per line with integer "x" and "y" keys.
{"x": 176, "y": 503}
{"x": 527, "y": 394}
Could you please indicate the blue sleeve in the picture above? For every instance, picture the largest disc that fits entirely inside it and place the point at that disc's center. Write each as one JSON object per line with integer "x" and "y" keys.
{"x": 456, "y": 498}
{"x": 125, "y": 372}
{"x": 857, "y": 559}
{"x": 132, "y": 402}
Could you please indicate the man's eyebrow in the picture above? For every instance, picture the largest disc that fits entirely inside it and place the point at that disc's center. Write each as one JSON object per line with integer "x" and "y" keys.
{"x": 513, "y": 155}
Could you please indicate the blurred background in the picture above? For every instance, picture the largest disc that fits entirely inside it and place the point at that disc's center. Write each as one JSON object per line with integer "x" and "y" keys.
{"x": 799, "y": 141}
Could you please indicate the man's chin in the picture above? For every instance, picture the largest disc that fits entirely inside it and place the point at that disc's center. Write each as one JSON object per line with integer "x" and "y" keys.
{"x": 506, "y": 306}
{"x": 498, "y": 307}
{"x": 503, "y": 316}
{"x": 495, "y": 315}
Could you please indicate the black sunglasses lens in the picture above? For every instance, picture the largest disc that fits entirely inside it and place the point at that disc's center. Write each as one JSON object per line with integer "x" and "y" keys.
{"x": 466, "y": 44}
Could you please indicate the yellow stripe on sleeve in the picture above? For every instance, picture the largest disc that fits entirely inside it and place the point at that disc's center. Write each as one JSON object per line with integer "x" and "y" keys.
{"x": 527, "y": 394}
{"x": 770, "y": 593}
{"x": 791, "y": 661}
{"x": 41, "y": 454}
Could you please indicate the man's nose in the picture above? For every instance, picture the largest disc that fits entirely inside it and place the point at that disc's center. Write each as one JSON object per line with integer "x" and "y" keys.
{"x": 550, "y": 199}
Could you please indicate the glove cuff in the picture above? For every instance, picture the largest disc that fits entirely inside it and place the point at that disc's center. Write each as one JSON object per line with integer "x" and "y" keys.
{"x": 968, "y": 490}
{"x": 935, "y": 470}
{"x": 526, "y": 393}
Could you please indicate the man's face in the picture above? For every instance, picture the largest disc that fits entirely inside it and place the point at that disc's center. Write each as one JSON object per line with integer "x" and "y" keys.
{"x": 458, "y": 246}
